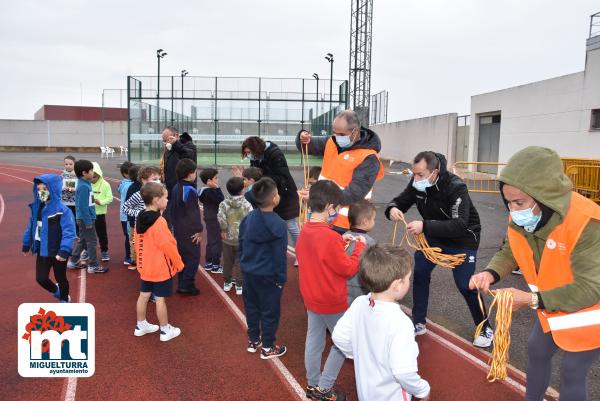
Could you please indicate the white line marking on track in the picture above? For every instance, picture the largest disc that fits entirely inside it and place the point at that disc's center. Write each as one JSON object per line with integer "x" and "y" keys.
{"x": 293, "y": 384}
{"x": 1, "y": 208}
{"x": 17, "y": 178}
{"x": 46, "y": 169}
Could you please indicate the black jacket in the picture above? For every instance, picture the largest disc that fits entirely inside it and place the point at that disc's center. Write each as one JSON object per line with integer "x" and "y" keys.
{"x": 211, "y": 198}
{"x": 449, "y": 216}
{"x": 184, "y": 148}
{"x": 185, "y": 210}
{"x": 364, "y": 176}
{"x": 274, "y": 165}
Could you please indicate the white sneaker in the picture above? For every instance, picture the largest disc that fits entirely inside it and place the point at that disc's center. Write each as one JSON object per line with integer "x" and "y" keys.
{"x": 170, "y": 333}
{"x": 239, "y": 290}
{"x": 420, "y": 329}
{"x": 144, "y": 328}
{"x": 227, "y": 286}
{"x": 485, "y": 338}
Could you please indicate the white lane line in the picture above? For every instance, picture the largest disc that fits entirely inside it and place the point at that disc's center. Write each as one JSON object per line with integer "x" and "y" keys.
{"x": 276, "y": 362}
{"x": 40, "y": 168}
{"x": 17, "y": 178}
{"x": 472, "y": 358}
{"x": 70, "y": 385}
{"x": 1, "y": 208}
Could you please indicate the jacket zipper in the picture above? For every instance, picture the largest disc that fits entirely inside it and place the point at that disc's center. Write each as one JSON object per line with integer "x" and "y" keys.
{"x": 469, "y": 230}
{"x": 168, "y": 266}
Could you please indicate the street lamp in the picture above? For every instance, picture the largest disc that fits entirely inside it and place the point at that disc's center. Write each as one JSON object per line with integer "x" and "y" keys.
{"x": 316, "y": 76}
{"x": 183, "y": 74}
{"x": 160, "y": 53}
{"x": 329, "y": 57}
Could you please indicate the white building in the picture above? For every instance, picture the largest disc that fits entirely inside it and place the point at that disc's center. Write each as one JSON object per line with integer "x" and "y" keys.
{"x": 562, "y": 113}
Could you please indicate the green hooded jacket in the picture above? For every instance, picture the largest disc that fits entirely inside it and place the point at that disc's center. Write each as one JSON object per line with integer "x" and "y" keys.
{"x": 539, "y": 173}
{"x": 102, "y": 191}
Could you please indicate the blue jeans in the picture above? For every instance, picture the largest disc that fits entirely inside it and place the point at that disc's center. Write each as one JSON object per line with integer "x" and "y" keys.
{"x": 462, "y": 274}
{"x": 293, "y": 229}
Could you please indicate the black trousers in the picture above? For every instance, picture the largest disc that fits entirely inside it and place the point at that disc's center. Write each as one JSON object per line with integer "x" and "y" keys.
{"x": 190, "y": 254}
{"x": 101, "y": 232}
{"x": 214, "y": 243}
{"x": 262, "y": 301}
{"x": 43, "y": 265}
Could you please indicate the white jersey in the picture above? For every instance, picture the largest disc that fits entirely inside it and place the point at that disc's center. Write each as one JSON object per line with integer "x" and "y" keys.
{"x": 380, "y": 339}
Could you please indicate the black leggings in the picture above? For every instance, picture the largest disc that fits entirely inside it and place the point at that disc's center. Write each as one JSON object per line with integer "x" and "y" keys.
{"x": 101, "y": 232}
{"x": 42, "y": 275}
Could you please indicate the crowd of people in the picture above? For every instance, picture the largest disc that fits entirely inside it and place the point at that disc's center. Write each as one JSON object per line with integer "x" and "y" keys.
{"x": 350, "y": 285}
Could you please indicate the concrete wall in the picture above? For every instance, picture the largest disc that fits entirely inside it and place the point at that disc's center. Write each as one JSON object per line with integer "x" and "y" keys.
{"x": 555, "y": 113}
{"x": 47, "y": 133}
{"x": 402, "y": 140}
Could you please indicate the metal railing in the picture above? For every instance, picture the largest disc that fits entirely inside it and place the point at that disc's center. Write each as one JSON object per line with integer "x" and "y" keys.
{"x": 480, "y": 177}
{"x": 586, "y": 180}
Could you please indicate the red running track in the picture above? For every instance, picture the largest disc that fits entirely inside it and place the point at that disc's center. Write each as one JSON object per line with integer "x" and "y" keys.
{"x": 208, "y": 361}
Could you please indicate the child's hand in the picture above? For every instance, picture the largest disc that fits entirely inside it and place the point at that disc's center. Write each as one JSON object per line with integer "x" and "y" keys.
{"x": 197, "y": 238}
{"x": 97, "y": 202}
{"x": 360, "y": 239}
{"x": 224, "y": 235}
{"x": 348, "y": 237}
{"x": 60, "y": 258}
{"x": 25, "y": 253}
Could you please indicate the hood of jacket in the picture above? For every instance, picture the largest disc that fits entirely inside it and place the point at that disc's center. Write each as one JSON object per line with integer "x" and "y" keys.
{"x": 236, "y": 202}
{"x": 262, "y": 228}
{"x": 54, "y": 184}
{"x": 185, "y": 138}
{"x": 145, "y": 220}
{"x": 538, "y": 172}
{"x": 368, "y": 140}
{"x": 97, "y": 170}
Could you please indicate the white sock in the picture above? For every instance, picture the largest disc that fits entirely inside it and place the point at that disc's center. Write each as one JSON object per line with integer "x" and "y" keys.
{"x": 141, "y": 322}
{"x": 165, "y": 327}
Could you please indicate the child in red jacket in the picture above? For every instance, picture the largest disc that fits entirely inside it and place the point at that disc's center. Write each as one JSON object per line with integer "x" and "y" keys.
{"x": 324, "y": 271}
{"x": 157, "y": 261}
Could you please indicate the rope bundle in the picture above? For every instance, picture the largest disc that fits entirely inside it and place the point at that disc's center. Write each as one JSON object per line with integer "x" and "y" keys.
{"x": 433, "y": 254}
{"x": 303, "y": 217}
{"x": 503, "y": 301}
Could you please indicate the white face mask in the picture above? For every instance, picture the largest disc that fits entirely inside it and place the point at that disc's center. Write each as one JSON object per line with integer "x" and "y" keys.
{"x": 169, "y": 146}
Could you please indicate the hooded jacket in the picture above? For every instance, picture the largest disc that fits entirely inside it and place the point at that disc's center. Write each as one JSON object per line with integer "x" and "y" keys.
{"x": 365, "y": 175}
{"x": 263, "y": 245}
{"x": 157, "y": 256}
{"x": 231, "y": 212}
{"x": 539, "y": 173}
{"x": 85, "y": 207}
{"x": 57, "y": 231}
{"x": 274, "y": 165}
{"x": 102, "y": 191}
{"x": 449, "y": 216}
{"x": 122, "y": 189}
{"x": 184, "y": 148}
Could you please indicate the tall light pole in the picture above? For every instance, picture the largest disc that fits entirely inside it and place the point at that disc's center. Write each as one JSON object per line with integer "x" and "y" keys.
{"x": 160, "y": 53}
{"x": 316, "y": 76}
{"x": 183, "y": 74}
{"x": 329, "y": 57}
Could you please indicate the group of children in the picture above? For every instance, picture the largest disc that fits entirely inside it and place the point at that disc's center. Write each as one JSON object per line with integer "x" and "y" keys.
{"x": 350, "y": 285}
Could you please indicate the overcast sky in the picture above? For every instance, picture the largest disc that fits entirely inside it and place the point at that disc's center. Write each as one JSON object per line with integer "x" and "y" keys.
{"x": 430, "y": 55}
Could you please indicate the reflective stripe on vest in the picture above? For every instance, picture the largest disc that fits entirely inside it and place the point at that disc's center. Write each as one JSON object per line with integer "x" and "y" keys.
{"x": 575, "y": 331}
{"x": 339, "y": 167}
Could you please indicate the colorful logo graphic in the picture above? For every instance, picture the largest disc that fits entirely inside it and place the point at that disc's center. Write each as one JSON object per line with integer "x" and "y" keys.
{"x": 56, "y": 340}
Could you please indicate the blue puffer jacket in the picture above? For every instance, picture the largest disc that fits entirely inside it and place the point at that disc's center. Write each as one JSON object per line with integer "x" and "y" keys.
{"x": 57, "y": 233}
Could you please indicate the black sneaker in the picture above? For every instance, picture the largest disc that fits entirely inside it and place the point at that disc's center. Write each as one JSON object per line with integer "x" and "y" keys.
{"x": 329, "y": 395}
{"x": 253, "y": 346}
{"x": 311, "y": 392}
{"x": 191, "y": 291}
{"x": 273, "y": 352}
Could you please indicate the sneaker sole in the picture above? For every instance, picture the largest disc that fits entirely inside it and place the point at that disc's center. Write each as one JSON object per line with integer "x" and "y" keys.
{"x": 484, "y": 345}
{"x": 169, "y": 338}
{"x": 253, "y": 350}
{"x": 272, "y": 356}
{"x": 139, "y": 333}
{"x": 420, "y": 333}
{"x": 226, "y": 289}
{"x": 97, "y": 271}
{"x": 216, "y": 272}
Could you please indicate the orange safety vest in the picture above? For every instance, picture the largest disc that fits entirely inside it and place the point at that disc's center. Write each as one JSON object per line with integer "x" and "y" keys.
{"x": 339, "y": 167}
{"x": 576, "y": 331}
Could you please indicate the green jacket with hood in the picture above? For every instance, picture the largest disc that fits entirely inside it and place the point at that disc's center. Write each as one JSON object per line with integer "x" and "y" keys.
{"x": 102, "y": 191}
{"x": 539, "y": 173}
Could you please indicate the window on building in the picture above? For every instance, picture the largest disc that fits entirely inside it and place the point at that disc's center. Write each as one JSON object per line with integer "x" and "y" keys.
{"x": 596, "y": 119}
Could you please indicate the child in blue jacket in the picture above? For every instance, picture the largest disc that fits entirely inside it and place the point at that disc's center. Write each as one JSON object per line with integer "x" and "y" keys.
{"x": 50, "y": 234}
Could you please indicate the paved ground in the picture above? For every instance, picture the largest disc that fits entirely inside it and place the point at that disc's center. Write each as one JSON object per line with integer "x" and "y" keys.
{"x": 446, "y": 305}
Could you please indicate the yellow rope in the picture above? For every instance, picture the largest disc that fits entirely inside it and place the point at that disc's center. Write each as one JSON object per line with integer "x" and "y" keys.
{"x": 503, "y": 301}
{"x": 303, "y": 217}
{"x": 433, "y": 254}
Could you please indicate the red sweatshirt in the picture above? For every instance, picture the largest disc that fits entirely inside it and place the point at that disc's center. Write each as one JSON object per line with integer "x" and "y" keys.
{"x": 325, "y": 268}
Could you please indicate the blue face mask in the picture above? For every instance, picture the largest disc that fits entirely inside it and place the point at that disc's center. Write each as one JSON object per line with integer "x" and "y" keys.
{"x": 422, "y": 185}
{"x": 526, "y": 218}
{"x": 343, "y": 141}
{"x": 251, "y": 157}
